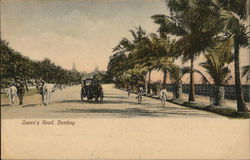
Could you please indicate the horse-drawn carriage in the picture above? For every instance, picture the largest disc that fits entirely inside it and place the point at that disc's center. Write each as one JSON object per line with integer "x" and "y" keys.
{"x": 91, "y": 89}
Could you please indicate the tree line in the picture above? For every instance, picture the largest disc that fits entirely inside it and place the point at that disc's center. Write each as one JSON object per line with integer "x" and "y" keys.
{"x": 16, "y": 67}
{"x": 215, "y": 29}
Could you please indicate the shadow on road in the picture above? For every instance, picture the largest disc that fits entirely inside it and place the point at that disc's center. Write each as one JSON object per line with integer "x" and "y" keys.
{"x": 5, "y": 105}
{"x": 31, "y": 105}
{"x": 98, "y": 102}
{"x": 69, "y": 101}
{"x": 116, "y": 97}
{"x": 128, "y": 112}
{"x": 134, "y": 112}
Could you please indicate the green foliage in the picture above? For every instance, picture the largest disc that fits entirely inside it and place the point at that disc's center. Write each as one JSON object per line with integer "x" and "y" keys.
{"x": 15, "y": 66}
{"x": 237, "y": 6}
{"x": 104, "y": 77}
{"x": 195, "y": 22}
{"x": 217, "y": 61}
{"x": 133, "y": 59}
{"x": 246, "y": 70}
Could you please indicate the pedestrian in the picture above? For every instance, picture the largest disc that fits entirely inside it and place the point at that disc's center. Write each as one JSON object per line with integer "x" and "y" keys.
{"x": 20, "y": 92}
{"x": 129, "y": 90}
{"x": 139, "y": 94}
{"x": 163, "y": 96}
{"x": 41, "y": 90}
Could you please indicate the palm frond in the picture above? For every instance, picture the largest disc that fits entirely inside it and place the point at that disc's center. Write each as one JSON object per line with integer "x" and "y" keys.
{"x": 168, "y": 26}
{"x": 237, "y": 6}
{"x": 245, "y": 71}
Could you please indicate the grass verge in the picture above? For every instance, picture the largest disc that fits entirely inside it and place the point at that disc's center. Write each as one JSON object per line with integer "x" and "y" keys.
{"x": 221, "y": 110}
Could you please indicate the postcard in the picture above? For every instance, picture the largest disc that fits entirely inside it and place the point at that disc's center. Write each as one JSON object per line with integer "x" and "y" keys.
{"x": 125, "y": 79}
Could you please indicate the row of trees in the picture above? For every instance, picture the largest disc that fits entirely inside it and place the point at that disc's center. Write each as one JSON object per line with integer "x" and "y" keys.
{"x": 16, "y": 67}
{"x": 214, "y": 28}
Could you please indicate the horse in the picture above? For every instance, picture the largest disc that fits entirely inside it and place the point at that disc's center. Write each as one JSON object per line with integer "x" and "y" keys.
{"x": 12, "y": 94}
{"x": 163, "y": 97}
{"x": 47, "y": 90}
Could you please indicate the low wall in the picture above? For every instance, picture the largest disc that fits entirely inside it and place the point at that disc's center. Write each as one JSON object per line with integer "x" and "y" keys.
{"x": 206, "y": 90}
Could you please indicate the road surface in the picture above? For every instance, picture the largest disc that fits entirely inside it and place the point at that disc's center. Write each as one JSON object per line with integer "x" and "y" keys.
{"x": 119, "y": 128}
{"x": 67, "y": 104}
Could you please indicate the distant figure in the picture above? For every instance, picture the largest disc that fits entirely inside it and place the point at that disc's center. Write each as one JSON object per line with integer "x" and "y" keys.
{"x": 99, "y": 92}
{"x": 139, "y": 95}
{"x": 129, "y": 90}
{"x": 41, "y": 89}
{"x": 20, "y": 92}
{"x": 94, "y": 80}
{"x": 12, "y": 93}
{"x": 163, "y": 96}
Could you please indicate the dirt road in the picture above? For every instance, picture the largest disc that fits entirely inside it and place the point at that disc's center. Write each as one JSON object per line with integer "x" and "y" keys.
{"x": 67, "y": 104}
{"x": 118, "y": 128}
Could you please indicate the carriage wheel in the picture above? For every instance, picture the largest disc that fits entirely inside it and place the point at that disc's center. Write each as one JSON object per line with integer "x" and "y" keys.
{"x": 96, "y": 98}
{"x": 101, "y": 98}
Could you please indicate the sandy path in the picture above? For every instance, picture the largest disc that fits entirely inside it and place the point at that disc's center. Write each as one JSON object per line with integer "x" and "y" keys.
{"x": 118, "y": 129}
{"x": 67, "y": 103}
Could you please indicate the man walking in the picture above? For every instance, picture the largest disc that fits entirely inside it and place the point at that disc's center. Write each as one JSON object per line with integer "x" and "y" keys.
{"x": 20, "y": 92}
{"x": 163, "y": 96}
{"x": 129, "y": 90}
{"x": 139, "y": 95}
{"x": 41, "y": 90}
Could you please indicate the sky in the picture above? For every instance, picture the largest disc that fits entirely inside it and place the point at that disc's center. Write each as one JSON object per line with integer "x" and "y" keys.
{"x": 77, "y": 31}
{"x": 80, "y": 31}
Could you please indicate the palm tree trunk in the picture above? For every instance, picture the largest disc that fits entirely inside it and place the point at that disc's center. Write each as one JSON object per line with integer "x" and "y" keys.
{"x": 164, "y": 79}
{"x": 177, "y": 90}
{"x": 241, "y": 106}
{"x": 191, "y": 96}
{"x": 219, "y": 94}
{"x": 149, "y": 79}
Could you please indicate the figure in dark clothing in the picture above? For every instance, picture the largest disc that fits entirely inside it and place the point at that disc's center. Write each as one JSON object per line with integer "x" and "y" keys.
{"x": 41, "y": 90}
{"x": 94, "y": 81}
{"x": 129, "y": 90}
{"x": 20, "y": 92}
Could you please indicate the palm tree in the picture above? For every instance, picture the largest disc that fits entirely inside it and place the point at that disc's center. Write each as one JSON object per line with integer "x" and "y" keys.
{"x": 145, "y": 52}
{"x": 116, "y": 66}
{"x": 164, "y": 64}
{"x": 146, "y": 64}
{"x": 124, "y": 57}
{"x": 234, "y": 14}
{"x": 152, "y": 52}
{"x": 126, "y": 45}
{"x": 216, "y": 65}
{"x": 246, "y": 72}
{"x": 195, "y": 25}
{"x": 176, "y": 74}
{"x": 135, "y": 75}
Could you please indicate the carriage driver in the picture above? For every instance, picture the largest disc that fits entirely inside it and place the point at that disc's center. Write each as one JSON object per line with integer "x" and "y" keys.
{"x": 94, "y": 81}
